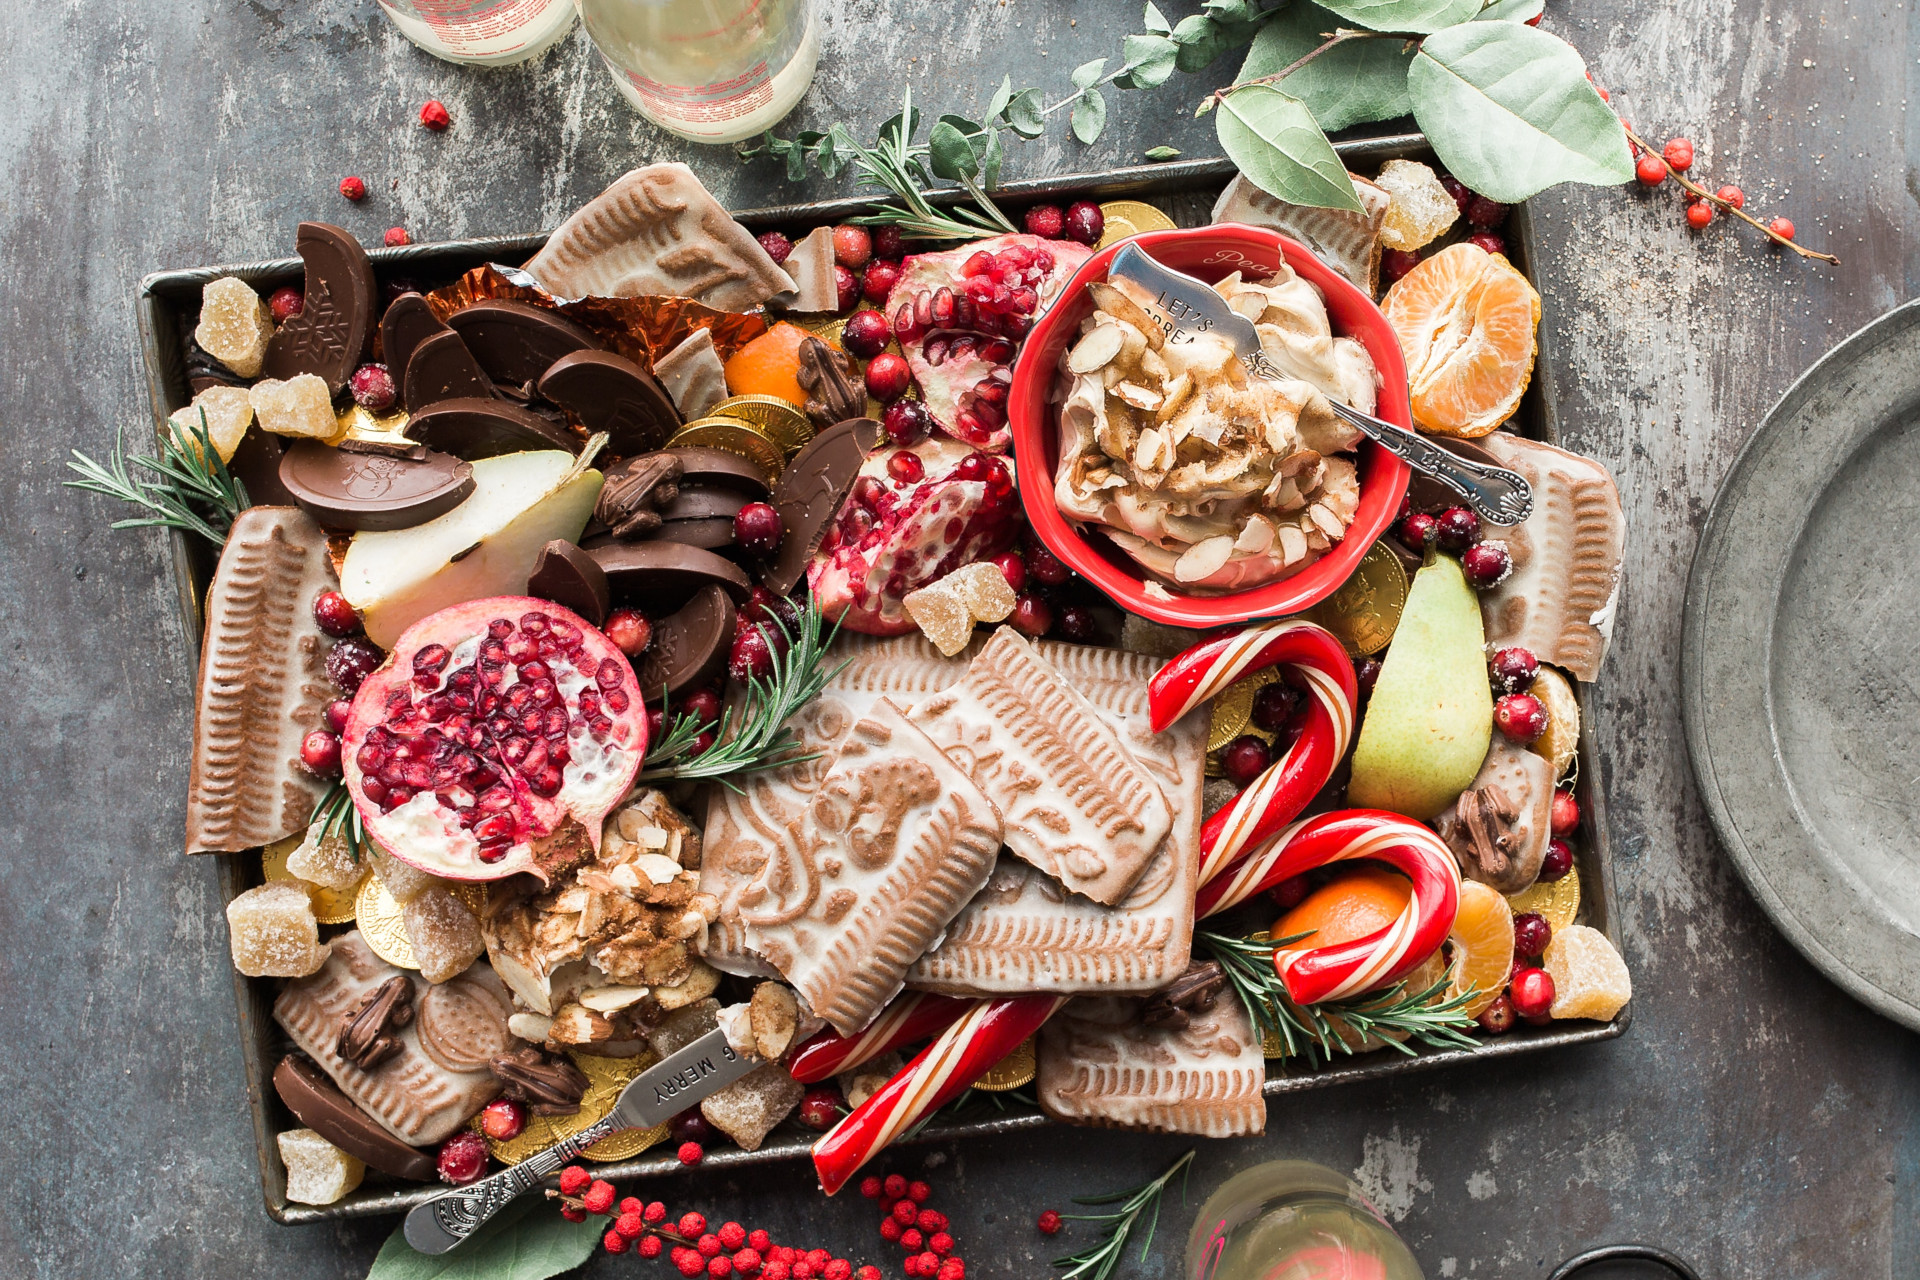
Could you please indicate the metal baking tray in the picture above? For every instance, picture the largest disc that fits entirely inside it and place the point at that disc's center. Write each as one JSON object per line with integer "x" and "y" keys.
{"x": 1186, "y": 191}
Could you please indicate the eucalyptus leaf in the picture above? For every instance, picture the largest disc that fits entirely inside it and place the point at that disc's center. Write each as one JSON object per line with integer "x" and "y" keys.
{"x": 1201, "y": 40}
{"x": 990, "y": 160}
{"x": 1156, "y": 22}
{"x": 1158, "y": 154}
{"x": 1233, "y": 12}
{"x": 1002, "y": 96}
{"x": 1088, "y": 72}
{"x": 528, "y": 1241}
{"x": 829, "y": 159}
{"x": 1357, "y": 82}
{"x": 951, "y": 153}
{"x": 1089, "y": 116}
{"x": 1510, "y": 112}
{"x": 796, "y": 163}
{"x": 1024, "y": 114}
{"x": 1418, "y": 16}
{"x": 1275, "y": 141}
{"x": 1149, "y": 60}
{"x": 1511, "y": 11}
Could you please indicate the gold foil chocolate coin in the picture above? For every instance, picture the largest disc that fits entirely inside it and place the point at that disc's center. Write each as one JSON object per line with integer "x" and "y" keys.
{"x": 330, "y": 906}
{"x": 1557, "y": 900}
{"x": 606, "y": 1077}
{"x": 1232, "y": 710}
{"x": 735, "y": 436}
{"x": 1366, "y": 609}
{"x": 1012, "y": 1071}
{"x": 773, "y": 417}
{"x": 383, "y": 923}
{"x": 1126, "y": 218}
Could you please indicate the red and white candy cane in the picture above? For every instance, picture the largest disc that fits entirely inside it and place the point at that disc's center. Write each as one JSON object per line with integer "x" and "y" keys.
{"x": 1278, "y": 795}
{"x": 1314, "y": 974}
{"x": 912, "y": 1016}
{"x": 963, "y": 1053}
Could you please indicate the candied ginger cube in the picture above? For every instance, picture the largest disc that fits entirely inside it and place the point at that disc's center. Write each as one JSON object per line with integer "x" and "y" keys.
{"x": 229, "y": 412}
{"x": 682, "y": 1027}
{"x": 747, "y": 1109}
{"x": 403, "y": 881}
{"x": 445, "y": 935}
{"x": 1590, "y": 980}
{"x": 328, "y": 863}
{"x": 1421, "y": 208}
{"x": 985, "y": 591}
{"x": 300, "y": 406}
{"x": 942, "y": 614}
{"x": 317, "y": 1171}
{"x": 274, "y": 934}
{"x": 234, "y": 325}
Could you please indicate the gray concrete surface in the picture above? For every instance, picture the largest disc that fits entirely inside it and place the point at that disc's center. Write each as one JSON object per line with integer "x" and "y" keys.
{"x": 1754, "y": 1119}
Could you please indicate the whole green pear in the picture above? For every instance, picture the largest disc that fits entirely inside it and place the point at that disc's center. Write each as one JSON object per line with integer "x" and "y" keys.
{"x": 1430, "y": 719}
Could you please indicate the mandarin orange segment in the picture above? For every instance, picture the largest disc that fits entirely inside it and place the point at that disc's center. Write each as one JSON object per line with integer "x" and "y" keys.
{"x": 1482, "y": 942}
{"x": 1363, "y": 901}
{"x": 770, "y": 365}
{"x": 1467, "y": 323}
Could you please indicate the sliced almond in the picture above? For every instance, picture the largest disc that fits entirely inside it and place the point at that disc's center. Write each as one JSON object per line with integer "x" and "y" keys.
{"x": 1293, "y": 544}
{"x": 1115, "y": 303}
{"x": 1327, "y": 522}
{"x": 1296, "y": 462}
{"x": 532, "y": 1027}
{"x": 1095, "y": 351}
{"x": 625, "y": 876}
{"x": 696, "y": 986}
{"x": 658, "y": 868}
{"x": 609, "y": 999}
{"x": 1203, "y": 559}
{"x": 1138, "y": 396}
{"x": 1256, "y": 538}
{"x": 1175, "y": 397}
{"x": 775, "y": 1016}
{"x": 576, "y": 1024}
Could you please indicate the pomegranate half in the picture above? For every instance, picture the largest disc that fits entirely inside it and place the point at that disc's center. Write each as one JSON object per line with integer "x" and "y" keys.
{"x": 494, "y": 739}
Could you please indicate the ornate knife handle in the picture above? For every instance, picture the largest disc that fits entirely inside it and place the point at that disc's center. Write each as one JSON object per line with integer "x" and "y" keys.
{"x": 1497, "y": 495}
{"x": 446, "y": 1220}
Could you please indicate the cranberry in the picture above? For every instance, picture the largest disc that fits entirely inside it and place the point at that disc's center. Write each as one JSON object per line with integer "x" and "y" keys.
{"x": 751, "y": 657}
{"x": 353, "y": 189}
{"x": 1032, "y": 616}
{"x": 656, "y": 724}
{"x": 878, "y": 280}
{"x": 463, "y": 1158}
{"x": 703, "y": 705}
{"x": 1484, "y": 214}
{"x": 905, "y": 467}
{"x": 1398, "y": 262}
{"x": 503, "y": 1119}
{"x": 867, "y": 334}
{"x": 1487, "y": 241}
{"x": 888, "y": 377}
{"x": 888, "y": 243}
{"x": 1699, "y": 215}
{"x": 1486, "y": 564}
{"x": 907, "y": 422}
{"x": 373, "y": 389}
{"x": 320, "y": 753}
{"x": 1077, "y": 624}
{"x": 1531, "y": 933}
{"x": 1513, "y": 669}
{"x": 1532, "y": 993}
{"x": 1085, "y": 223}
{"x": 1558, "y": 861}
{"x": 1733, "y": 196}
{"x": 1462, "y": 197}
{"x": 396, "y": 237}
{"x": 630, "y": 631}
{"x": 1497, "y": 1018}
{"x": 335, "y": 616}
{"x": 337, "y": 712}
{"x": 757, "y": 529}
{"x": 288, "y": 301}
{"x": 1244, "y": 759}
{"x": 852, "y": 247}
{"x": 1457, "y": 529}
{"x": 1678, "y": 153}
{"x": 691, "y": 1126}
{"x": 1566, "y": 812}
{"x": 1418, "y": 531}
{"x": 1366, "y": 674}
{"x": 777, "y": 246}
{"x": 846, "y": 288}
{"x": 1046, "y": 221}
{"x": 350, "y": 662}
{"x": 1044, "y": 567}
{"x": 1275, "y": 706}
{"x": 1782, "y": 228}
{"x": 433, "y": 114}
{"x": 1521, "y": 717}
{"x": 820, "y": 1108}
{"x": 1012, "y": 568}
{"x": 1651, "y": 170}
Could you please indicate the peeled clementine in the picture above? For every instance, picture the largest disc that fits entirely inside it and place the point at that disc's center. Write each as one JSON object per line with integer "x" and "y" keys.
{"x": 770, "y": 365}
{"x": 1467, "y": 323}
{"x": 1482, "y": 941}
{"x": 1363, "y": 901}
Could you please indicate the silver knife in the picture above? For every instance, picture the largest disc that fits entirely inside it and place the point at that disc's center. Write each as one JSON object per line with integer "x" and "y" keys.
{"x": 655, "y": 1095}
{"x": 1186, "y": 307}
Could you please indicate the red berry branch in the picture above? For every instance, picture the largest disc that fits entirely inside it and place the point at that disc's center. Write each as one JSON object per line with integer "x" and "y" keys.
{"x": 1653, "y": 168}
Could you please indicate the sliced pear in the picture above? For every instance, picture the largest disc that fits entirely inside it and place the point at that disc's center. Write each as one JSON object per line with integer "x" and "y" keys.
{"x": 486, "y": 546}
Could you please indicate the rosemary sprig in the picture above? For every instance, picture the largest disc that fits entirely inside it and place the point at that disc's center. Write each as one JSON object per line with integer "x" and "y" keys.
{"x": 194, "y": 490}
{"x": 1319, "y": 1031}
{"x": 762, "y": 739}
{"x": 336, "y": 812}
{"x": 1097, "y": 1261}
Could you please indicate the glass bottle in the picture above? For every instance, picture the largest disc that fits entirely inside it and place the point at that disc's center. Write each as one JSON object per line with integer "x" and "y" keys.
{"x": 1292, "y": 1220}
{"x": 708, "y": 70}
{"x": 482, "y": 33}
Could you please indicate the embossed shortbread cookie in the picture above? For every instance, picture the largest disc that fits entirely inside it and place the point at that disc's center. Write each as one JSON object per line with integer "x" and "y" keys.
{"x": 1076, "y": 802}
{"x": 1347, "y": 242}
{"x": 1098, "y": 1065}
{"x": 656, "y": 230}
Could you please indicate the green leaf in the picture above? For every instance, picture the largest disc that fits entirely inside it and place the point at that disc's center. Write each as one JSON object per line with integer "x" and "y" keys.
{"x": 1510, "y": 112}
{"x": 830, "y": 161}
{"x": 1158, "y": 154}
{"x": 796, "y": 164}
{"x": 1233, "y": 12}
{"x": 1420, "y": 16}
{"x": 1357, "y": 82}
{"x": 1511, "y": 11}
{"x": 1024, "y": 114}
{"x": 1004, "y": 94}
{"x": 1156, "y": 22}
{"x": 1274, "y": 140}
{"x": 1089, "y": 116}
{"x": 1149, "y": 61}
{"x": 528, "y": 1241}
{"x": 951, "y": 153}
{"x": 1087, "y": 72}
{"x": 1201, "y": 40}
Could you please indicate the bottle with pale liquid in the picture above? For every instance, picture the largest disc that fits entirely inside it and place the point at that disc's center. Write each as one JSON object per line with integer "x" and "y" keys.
{"x": 708, "y": 70}
{"x": 1292, "y": 1220}
{"x": 482, "y": 33}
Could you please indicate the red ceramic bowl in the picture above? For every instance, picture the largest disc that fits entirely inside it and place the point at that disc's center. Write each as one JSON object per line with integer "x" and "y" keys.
{"x": 1210, "y": 254}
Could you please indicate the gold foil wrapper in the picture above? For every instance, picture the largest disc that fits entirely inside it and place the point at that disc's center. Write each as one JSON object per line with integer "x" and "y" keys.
{"x": 606, "y": 1077}
{"x": 735, "y": 436}
{"x": 773, "y": 417}
{"x": 357, "y": 423}
{"x": 1557, "y": 900}
{"x": 1232, "y": 710}
{"x": 1365, "y": 611}
{"x": 330, "y": 906}
{"x": 383, "y": 924}
{"x": 1126, "y": 218}
{"x": 1012, "y": 1071}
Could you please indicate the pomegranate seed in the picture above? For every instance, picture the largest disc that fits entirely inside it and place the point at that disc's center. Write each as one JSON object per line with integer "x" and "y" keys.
{"x": 905, "y": 467}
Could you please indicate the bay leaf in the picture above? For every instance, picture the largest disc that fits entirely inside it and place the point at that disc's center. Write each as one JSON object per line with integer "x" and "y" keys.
{"x": 1358, "y": 82}
{"x": 1274, "y": 140}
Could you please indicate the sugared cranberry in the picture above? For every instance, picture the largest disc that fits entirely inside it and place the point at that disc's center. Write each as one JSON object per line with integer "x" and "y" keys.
{"x": 1532, "y": 993}
{"x": 1418, "y": 531}
{"x": 320, "y": 753}
{"x": 1566, "y": 812}
{"x": 888, "y": 377}
{"x": 702, "y": 704}
{"x": 1396, "y": 263}
{"x": 1366, "y": 674}
{"x": 867, "y": 334}
{"x": 757, "y": 529}
{"x": 1484, "y": 214}
{"x": 1046, "y": 221}
{"x": 1032, "y": 616}
{"x": 877, "y": 281}
{"x": 1488, "y": 241}
{"x": 1521, "y": 717}
{"x": 777, "y": 246}
{"x": 907, "y": 422}
{"x": 337, "y": 712}
{"x": 463, "y": 1158}
{"x": 1291, "y": 892}
{"x": 396, "y": 237}
{"x": 905, "y": 467}
{"x": 820, "y": 1108}
{"x": 751, "y": 657}
{"x": 1486, "y": 564}
{"x": 888, "y": 243}
{"x": 1077, "y": 624}
{"x": 353, "y": 189}
{"x": 1456, "y": 529}
{"x": 1513, "y": 669}
{"x": 1244, "y": 759}
{"x": 1557, "y": 862}
{"x": 630, "y": 631}
{"x": 1043, "y": 566}
{"x": 335, "y": 616}
{"x": 503, "y": 1119}
{"x": 350, "y": 662}
{"x": 691, "y": 1126}
{"x": 1275, "y": 706}
{"x": 288, "y": 301}
{"x": 433, "y": 114}
{"x": 1013, "y": 569}
{"x": 373, "y": 389}
{"x": 846, "y": 288}
{"x": 852, "y": 246}
{"x": 1085, "y": 223}
{"x": 1458, "y": 190}
{"x": 1497, "y": 1018}
{"x": 1531, "y": 933}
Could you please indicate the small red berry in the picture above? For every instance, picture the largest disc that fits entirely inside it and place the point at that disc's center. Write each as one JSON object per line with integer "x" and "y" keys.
{"x": 396, "y": 237}
{"x": 1733, "y": 196}
{"x": 1513, "y": 669}
{"x": 907, "y": 422}
{"x": 777, "y": 1271}
{"x": 818, "y": 1258}
{"x": 1462, "y": 197}
{"x": 503, "y": 1119}
{"x": 1488, "y": 241}
{"x": 703, "y": 705}
{"x": 895, "y": 1186}
{"x": 337, "y": 712}
{"x": 904, "y": 1212}
{"x": 870, "y": 1187}
{"x": 574, "y": 1180}
{"x": 918, "y": 1192}
{"x": 890, "y": 1229}
{"x": 888, "y": 243}
{"x": 1043, "y": 566}
{"x": 1557, "y": 862}
{"x": 1276, "y": 705}
{"x": 1418, "y": 531}
{"x": 1032, "y": 616}
{"x": 878, "y": 280}
{"x": 433, "y": 114}
{"x": 777, "y": 246}
{"x": 868, "y": 1272}
{"x": 320, "y": 753}
{"x": 708, "y": 1244}
{"x": 852, "y": 247}
{"x": 1484, "y": 214}
{"x": 1497, "y": 1018}
{"x": 941, "y": 1243}
{"x": 353, "y": 189}
{"x": 1782, "y": 228}
{"x": 1521, "y": 717}
{"x": 912, "y": 1240}
{"x": 732, "y": 1236}
{"x": 573, "y": 1213}
{"x": 1699, "y": 214}
{"x": 650, "y": 1246}
{"x": 691, "y": 1225}
{"x": 335, "y": 616}
{"x": 630, "y": 1225}
{"x": 599, "y": 1197}
{"x": 463, "y": 1158}
{"x": 654, "y": 1212}
{"x": 1077, "y": 624}
{"x": 630, "y": 631}
{"x": 719, "y": 1268}
{"x": 866, "y": 334}
{"x": 929, "y": 1263}
{"x": 631, "y": 1205}
{"x": 1651, "y": 170}
{"x": 837, "y": 1269}
{"x": 1046, "y": 221}
{"x": 1566, "y": 812}
{"x": 691, "y": 1264}
{"x": 952, "y": 1269}
{"x": 1678, "y": 153}
{"x": 690, "y": 1152}
{"x": 1457, "y": 529}
{"x": 757, "y": 529}
{"x": 1531, "y": 933}
{"x": 1014, "y": 570}
{"x": 1486, "y": 564}
{"x": 1291, "y": 892}
{"x": 1244, "y": 759}
{"x": 288, "y": 301}
{"x": 1085, "y": 223}
{"x": 759, "y": 1241}
{"x": 820, "y": 1108}
{"x": 846, "y": 288}
{"x": 372, "y": 388}
{"x": 1398, "y": 262}
{"x": 747, "y": 1262}
{"x": 888, "y": 376}
{"x": 1532, "y": 993}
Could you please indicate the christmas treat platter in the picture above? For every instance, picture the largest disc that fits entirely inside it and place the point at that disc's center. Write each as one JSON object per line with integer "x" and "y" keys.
{"x": 1184, "y": 193}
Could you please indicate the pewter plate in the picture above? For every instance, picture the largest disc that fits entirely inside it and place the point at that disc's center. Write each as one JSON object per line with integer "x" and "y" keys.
{"x": 1802, "y": 712}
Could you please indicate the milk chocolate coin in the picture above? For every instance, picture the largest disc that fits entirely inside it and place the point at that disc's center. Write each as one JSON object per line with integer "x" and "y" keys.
{"x": 611, "y": 393}
{"x": 570, "y": 577}
{"x": 810, "y": 492}
{"x": 516, "y": 342}
{"x": 689, "y": 646}
{"x": 408, "y": 322}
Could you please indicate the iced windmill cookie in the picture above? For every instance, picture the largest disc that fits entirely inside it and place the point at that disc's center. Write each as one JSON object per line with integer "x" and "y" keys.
{"x": 1346, "y": 241}
{"x": 1100, "y": 1065}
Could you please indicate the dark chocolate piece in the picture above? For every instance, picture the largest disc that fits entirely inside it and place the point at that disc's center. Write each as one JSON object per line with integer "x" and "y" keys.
{"x": 256, "y": 464}
{"x": 831, "y": 395}
{"x": 515, "y": 342}
{"x": 363, "y": 489}
{"x": 319, "y": 1105}
{"x": 701, "y": 465}
{"x": 630, "y": 500}
{"x": 713, "y": 535}
{"x": 203, "y": 367}
{"x": 697, "y": 502}
{"x": 472, "y": 428}
{"x": 1428, "y": 494}
{"x": 569, "y": 576}
{"x": 370, "y": 1032}
{"x": 549, "y": 1086}
{"x": 810, "y": 492}
{"x": 441, "y": 368}
{"x": 689, "y": 646}
{"x": 408, "y": 322}
{"x": 611, "y": 393}
{"x": 639, "y": 570}
{"x": 334, "y": 331}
